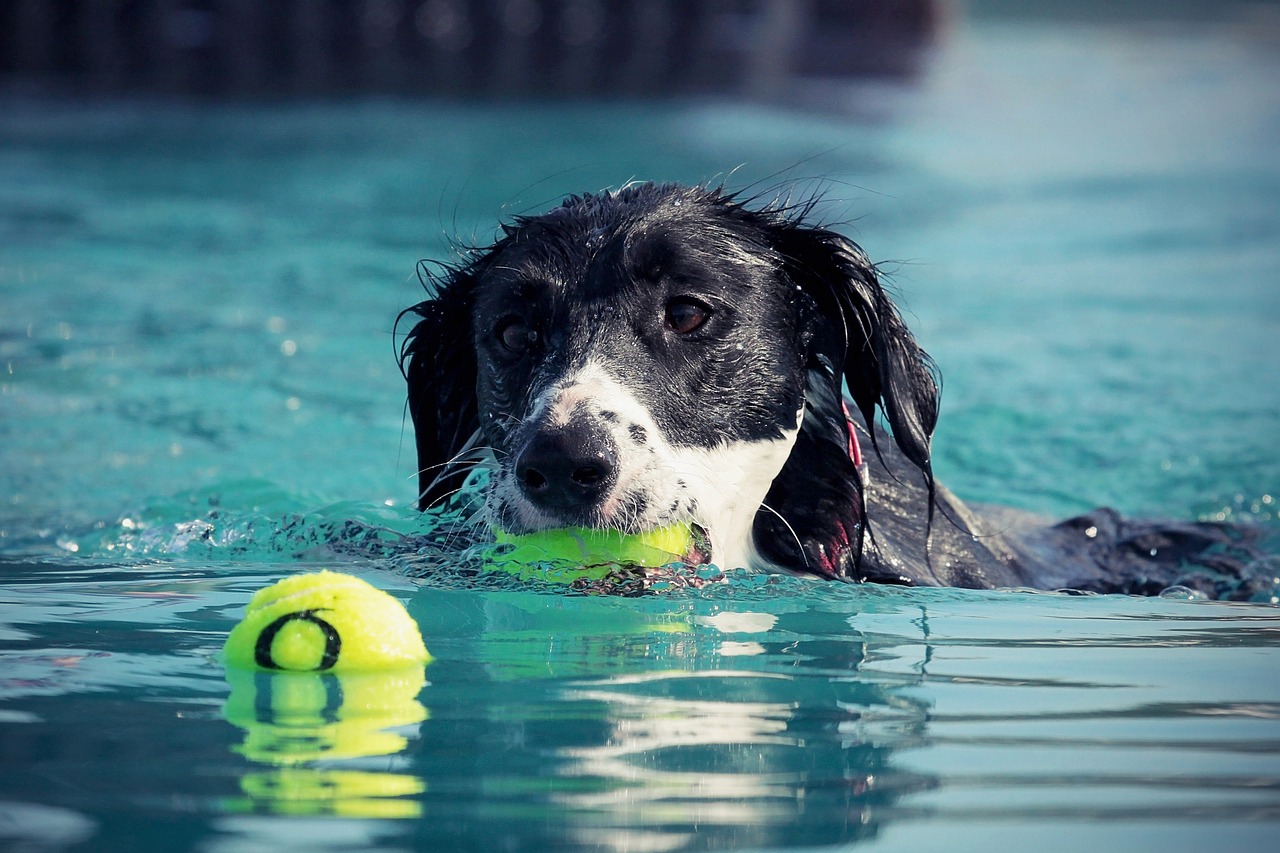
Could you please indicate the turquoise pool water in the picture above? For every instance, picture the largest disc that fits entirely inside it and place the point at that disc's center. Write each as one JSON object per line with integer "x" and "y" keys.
{"x": 199, "y": 395}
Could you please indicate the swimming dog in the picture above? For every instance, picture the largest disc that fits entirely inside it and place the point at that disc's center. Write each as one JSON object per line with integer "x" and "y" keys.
{"x": 665, "y": 353}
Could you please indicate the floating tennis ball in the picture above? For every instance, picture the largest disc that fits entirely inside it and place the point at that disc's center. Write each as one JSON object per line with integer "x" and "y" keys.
{"x": 321, "y": 622}
{"x": 570, "y": 553}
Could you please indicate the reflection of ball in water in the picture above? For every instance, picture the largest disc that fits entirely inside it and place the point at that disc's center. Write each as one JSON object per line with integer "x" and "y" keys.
{"x": 324, "y": 621}
{"x": 588, "y": 549}
{"x": 292, "y": 718}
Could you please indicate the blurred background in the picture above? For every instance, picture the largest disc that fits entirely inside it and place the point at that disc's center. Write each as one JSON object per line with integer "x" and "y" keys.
{"x": 510, "y": 48}
{"x": 497, "y": 48}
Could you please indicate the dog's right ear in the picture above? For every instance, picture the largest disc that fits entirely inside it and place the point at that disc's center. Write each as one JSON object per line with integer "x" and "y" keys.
{"x": 438, "y": 360}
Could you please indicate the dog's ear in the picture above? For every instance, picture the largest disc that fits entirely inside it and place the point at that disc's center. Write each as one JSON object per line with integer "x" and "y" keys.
{"x": 438, "y": 360}
{"x": 855, "y": 325}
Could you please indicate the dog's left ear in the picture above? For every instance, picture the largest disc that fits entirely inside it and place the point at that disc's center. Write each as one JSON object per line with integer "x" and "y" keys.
{"x": 439, "y": 364}
{"x": 857, "y": 327}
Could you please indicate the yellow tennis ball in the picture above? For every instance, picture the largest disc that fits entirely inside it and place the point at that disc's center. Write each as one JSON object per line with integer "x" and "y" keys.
{"x": 587, "y": 552}
{"x": 321, "y": 622}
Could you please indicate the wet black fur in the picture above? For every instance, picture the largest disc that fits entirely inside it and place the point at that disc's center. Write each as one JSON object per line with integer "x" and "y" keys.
{"x": 809, "y": 320}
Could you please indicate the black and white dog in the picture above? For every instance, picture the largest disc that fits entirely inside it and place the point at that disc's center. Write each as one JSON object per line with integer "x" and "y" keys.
{"x": 664, "y": 353}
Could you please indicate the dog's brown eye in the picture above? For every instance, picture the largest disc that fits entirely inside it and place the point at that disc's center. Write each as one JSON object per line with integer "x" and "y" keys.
{"x": 686, "y": 315}
{"x": 516, "y": 335}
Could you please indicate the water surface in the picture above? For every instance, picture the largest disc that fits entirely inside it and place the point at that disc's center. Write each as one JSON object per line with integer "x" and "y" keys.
{"x": 199, "y": 395}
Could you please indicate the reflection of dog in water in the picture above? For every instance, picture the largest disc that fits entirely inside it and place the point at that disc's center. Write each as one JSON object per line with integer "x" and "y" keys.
{"x": 664, "y": 354}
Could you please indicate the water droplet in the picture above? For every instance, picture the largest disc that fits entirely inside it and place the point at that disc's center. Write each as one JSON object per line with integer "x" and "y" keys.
{"x": 1183, "y": 593}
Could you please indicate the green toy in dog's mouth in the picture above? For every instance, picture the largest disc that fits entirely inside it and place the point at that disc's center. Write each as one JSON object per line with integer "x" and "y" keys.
{"x": 570, "y": 554}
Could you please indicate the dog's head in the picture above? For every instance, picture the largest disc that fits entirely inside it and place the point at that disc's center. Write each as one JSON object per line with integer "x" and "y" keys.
{"x": 660, "y": 354}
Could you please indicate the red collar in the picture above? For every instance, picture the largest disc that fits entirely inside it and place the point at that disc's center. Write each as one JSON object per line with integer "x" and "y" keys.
{"x": 855, "y": 452}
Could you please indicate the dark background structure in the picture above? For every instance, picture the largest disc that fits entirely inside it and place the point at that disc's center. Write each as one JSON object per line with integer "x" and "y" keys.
{"x": 501, "y": 48}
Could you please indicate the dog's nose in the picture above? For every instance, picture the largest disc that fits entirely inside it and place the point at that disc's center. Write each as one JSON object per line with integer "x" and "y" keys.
{"x": 569, "y": 468}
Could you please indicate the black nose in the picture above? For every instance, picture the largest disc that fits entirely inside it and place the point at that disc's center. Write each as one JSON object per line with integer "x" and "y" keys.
{"x": 569, "y": 469}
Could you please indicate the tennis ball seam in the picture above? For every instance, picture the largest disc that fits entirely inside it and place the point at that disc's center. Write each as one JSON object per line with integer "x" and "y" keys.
{"x": 262, "y": 652}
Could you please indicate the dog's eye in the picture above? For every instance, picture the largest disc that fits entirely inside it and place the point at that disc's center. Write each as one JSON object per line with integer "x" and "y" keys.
{"x": 516, "y": 335}
{"x": 685, "y": 315}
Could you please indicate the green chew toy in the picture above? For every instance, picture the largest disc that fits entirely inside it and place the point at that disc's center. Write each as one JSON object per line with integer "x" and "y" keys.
{"x": 569, "y": 553}
{"x": 322, "y": 622}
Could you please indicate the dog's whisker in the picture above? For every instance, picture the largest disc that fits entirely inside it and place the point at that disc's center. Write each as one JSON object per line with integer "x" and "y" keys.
{"x": 469, "y": 447}
{"x": 445, "y": 497}
{"x": 790, "y": 529}
{"x": 475, "y": 457}
{"x": 456, "y": 467}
